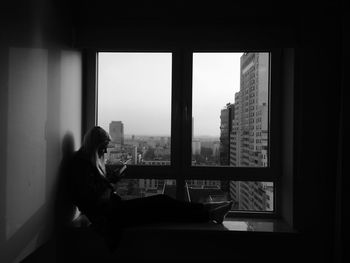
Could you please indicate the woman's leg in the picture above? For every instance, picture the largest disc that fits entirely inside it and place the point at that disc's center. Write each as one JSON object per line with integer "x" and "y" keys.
{"x": 159, "y": 208}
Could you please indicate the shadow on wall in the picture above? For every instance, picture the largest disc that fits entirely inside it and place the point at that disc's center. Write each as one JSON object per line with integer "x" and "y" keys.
{"x": 34, "y": 231}
{"x": 64, "y": 208}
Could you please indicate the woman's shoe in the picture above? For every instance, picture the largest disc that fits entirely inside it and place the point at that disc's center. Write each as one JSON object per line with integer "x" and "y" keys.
{"x": 218, "y": 214}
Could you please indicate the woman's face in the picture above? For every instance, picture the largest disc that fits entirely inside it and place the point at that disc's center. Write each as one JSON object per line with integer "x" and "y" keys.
{"x": 102, "y": 149}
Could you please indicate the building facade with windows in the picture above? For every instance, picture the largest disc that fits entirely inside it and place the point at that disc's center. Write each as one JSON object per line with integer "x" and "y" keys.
{"x": 226, "y": 116}
{"x": 249, "y": 135}
{"x": 249, "y": 132}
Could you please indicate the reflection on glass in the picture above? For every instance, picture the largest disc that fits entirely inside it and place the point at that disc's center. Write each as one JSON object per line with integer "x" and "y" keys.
{"x": 230, "y": 123}
{"x": 134, "y": 106}
{"x": 246, "y": 196}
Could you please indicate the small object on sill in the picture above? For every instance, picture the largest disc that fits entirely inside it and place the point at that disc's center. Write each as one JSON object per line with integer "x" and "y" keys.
{"x": 257, "y": 225}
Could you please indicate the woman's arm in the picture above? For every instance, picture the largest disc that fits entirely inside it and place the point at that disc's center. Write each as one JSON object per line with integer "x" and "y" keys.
{"x": 113, "y": 174}
{"x": 90, "y": 187}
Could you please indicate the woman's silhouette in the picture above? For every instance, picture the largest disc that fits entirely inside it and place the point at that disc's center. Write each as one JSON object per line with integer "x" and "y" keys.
{"x": 92, "y": 192}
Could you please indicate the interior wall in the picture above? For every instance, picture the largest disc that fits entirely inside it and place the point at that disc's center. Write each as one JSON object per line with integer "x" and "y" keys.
{"x": 40, "y": 102}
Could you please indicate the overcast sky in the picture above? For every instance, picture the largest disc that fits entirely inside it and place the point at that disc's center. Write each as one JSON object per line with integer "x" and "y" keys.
{"x": 135, "y": 88}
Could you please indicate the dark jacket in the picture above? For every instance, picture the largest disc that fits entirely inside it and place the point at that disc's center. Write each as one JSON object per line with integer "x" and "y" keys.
{"x": 91, "y": 192}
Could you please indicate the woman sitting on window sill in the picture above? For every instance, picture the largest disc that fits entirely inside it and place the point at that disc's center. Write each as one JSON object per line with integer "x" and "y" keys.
{"x": 92, "y": 191}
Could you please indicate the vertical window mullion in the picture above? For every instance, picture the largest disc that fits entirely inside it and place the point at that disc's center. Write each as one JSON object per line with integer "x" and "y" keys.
{"x": 186, "y": 135}
{"x": 89, "y": 118}
{"x": 177, "y": 121}
{"x": 187, "y": 131}
{"x": 275, "y": 128}
{"x": 182, "y": 117}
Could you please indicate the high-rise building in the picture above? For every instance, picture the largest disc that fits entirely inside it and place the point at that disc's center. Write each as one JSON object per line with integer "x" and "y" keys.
{"x": 249, "y": 134}
{"x": 216, "y": 149}
{"x": 226, "y": 116}
{"x": 257, "y": 196}
{"x": 116, "y": 131}
{"x": 235, "y": 135}
{"x": 196, "y": 143}
{"x": 196, "y": 147}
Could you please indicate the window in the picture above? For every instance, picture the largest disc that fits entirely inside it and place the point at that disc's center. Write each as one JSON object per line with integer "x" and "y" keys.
{"x": 186, "y": 120}
{"x": 134, "y": 105}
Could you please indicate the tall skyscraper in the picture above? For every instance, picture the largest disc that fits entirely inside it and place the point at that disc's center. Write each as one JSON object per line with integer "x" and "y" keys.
{"x": 226, "y": 116}
{"x": 196, "y": 147}
{"x": 249, "y": 134}
{"x": 116, "y": 131}
{"x": 216, "y": 149}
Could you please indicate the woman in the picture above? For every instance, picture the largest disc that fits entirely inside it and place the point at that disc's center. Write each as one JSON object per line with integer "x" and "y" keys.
{"x": 93, "y": 193}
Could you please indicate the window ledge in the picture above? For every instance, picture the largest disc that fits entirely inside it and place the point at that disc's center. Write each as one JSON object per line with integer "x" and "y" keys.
{"x": 236, "y": 224}
{"x": 229, "y": 225}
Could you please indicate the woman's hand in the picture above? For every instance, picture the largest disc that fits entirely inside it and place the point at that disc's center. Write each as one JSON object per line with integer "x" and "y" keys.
{"x": 114, "y": 173}
{"x": 120, "y": 170}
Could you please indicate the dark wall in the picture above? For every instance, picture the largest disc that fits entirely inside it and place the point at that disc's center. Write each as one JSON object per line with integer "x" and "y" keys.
{"x": 105, "y": 24}
{"x": 318, "y": 87}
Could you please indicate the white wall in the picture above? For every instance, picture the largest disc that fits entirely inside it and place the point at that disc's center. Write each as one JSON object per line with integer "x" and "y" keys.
{"x": 26, "y": 145}
{"x": 40, "y": 111}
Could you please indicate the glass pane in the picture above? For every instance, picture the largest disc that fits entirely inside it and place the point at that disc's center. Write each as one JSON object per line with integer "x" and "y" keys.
{"x": 134, "y": 106}
{"x": 137, "y": 188}
{"x": 246, "y": 196}
{"x": 230, "y": 125}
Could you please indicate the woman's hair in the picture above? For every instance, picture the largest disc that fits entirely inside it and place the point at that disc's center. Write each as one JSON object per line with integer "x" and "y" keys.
{"x": 94, "y": 138}
{"x": 92, "y": 141}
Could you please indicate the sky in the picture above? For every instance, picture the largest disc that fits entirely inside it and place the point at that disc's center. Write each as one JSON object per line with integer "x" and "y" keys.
{"x": 135, "y": 88}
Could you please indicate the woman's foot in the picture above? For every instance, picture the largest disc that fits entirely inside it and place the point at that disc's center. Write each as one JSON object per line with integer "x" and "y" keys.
{"x": 218, "y": 214}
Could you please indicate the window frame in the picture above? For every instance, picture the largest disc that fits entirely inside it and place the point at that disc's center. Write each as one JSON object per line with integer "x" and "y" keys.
{"x": 180, "y": 168}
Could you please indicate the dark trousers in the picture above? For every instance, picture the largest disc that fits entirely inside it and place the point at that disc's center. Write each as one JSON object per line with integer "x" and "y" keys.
{"x": 155, "y": 209}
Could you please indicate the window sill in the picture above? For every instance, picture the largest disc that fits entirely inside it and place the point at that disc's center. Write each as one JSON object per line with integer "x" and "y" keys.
{"x": 229, "y": 225}
{"x": 240, "y": 235}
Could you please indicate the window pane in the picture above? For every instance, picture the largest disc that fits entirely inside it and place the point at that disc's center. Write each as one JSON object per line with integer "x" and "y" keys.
{"x": 246, "y": 196}
{"x": 137, "y": 188}
{"x": 134, "y": 106}
{"x": 230, "y": 125}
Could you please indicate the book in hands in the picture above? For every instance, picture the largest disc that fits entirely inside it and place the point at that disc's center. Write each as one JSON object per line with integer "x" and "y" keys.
{"x": 121, "y": 170}
{"x": 126, "y": 162}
